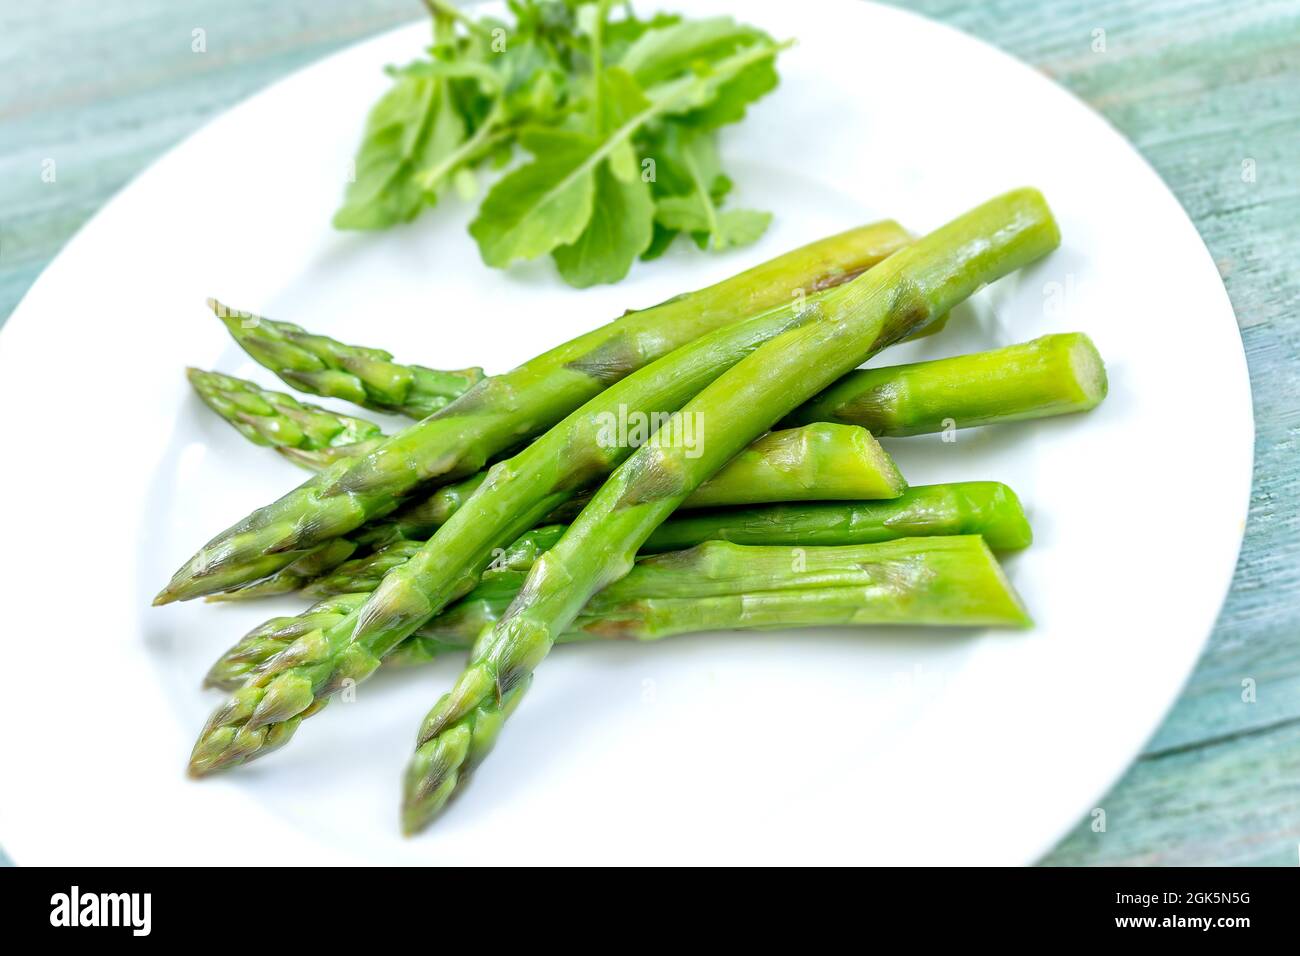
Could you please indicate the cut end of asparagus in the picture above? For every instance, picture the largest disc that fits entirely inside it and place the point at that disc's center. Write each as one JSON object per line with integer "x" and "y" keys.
{"x": 1015, "y": 531}
{"x": 874, "y": 464}
{"x": 1088, "y": 368}
{"x": 1015, "y": 613}
{"x": 993, "y": 511}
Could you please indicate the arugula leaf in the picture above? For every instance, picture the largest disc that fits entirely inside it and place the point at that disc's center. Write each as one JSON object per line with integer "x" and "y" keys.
{"x": 414, "y": 125}
{"x": 738, "y": 227}
{"x": 590, "y": 96}
{"x": 621, "y": 227}
{"x": 732, "y": 98}
{"x": 684, "y": 214}
{"x": 548, "y": 202}
{"x": 712, "y": 229}
{"x": 540, "y": 205}
{"x": 687, "y": 161}
{"x": 665, "y": 52}
{"x": 663, "y": 238}
{"x": 692, "y": 158}
{"x": 621, "y": 34}
{"x": 622, "y": 220}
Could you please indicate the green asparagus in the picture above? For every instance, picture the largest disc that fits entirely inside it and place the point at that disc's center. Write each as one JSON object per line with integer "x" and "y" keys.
{"x": 1052, "y": 375}
{"x": 814, "y": 462}
{"x": 516, "y": 494}
{"x": 256, "y": 648}
{"x": 304, "y": 433}
{"x": 499, "y": 412}
{"x": 714, "y": 586}
{"x": 908, "y": 290}
{"x": 323, "y": 366}
{"x": 986, "y": 508}
{"x": 817, "y": 461}
{"x": 820, "y": 461}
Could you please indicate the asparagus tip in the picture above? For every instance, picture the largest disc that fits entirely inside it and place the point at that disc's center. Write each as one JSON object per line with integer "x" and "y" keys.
{"x": 412, "y": 823}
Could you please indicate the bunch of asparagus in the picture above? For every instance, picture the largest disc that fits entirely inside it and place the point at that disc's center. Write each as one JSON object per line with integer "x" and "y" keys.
{"x": 762, "y": 500}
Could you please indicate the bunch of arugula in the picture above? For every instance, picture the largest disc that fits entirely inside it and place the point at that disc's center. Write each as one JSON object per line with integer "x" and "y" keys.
{"x": 620, "y": 116}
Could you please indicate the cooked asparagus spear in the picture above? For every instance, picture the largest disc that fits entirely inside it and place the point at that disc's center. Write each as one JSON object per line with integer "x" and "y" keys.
{"x": 937, "y": 581}
{"x": 415, "y": 521}
{"x": 323, "y": 366}
{"x": 500, "y": 411}
{"x": 516, "y": 494}
{"x": 1052, "y": 375}
{"x": 716, "y": 585}
{"x": 307, "y": 434}
{"x": 987, "y": 508}
{"x": 262, "y": 715}
{"x": 260, "y": 645}
{"x": 907, "y": 291}
{"x": 819, "y": 460}
{"x": 815, "y": 462}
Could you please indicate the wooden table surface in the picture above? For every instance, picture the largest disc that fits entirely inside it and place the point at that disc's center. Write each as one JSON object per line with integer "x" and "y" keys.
{"x": 1208, "y": 91}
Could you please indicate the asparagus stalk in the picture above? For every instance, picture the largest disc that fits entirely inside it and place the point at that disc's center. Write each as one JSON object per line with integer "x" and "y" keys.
{"x": 499, "y": 412}
{"x": 716, "y": 585}
{"x": 270, "y": 638}
{"x": 905, "y": 292}
{"x": 260, "y": 645}
{"x": 935, "y": 581}
{"x": 815, "y": 462}
{"x": 1051, "y": 375}
{"x": 323, "y": 366}
{"x": 812, "y": 463}
{"x": 307, "y": 434}
{"x": 986, "y": 508}
{"x": 516, "y": 494}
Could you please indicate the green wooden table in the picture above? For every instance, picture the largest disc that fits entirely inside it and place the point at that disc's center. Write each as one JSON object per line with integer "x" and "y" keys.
{"x": 1208, "y": 90}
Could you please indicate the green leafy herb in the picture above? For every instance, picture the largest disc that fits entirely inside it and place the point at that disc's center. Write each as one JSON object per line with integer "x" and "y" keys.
{"x": 699, "y": 185}
{"x": 615, "y": 119}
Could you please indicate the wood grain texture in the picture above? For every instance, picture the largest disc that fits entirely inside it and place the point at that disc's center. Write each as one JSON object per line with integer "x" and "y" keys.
{"x": 1206, "y": 90}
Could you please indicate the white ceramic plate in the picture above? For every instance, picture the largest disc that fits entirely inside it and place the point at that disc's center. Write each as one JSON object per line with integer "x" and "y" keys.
{"x": 905, "y": 746}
